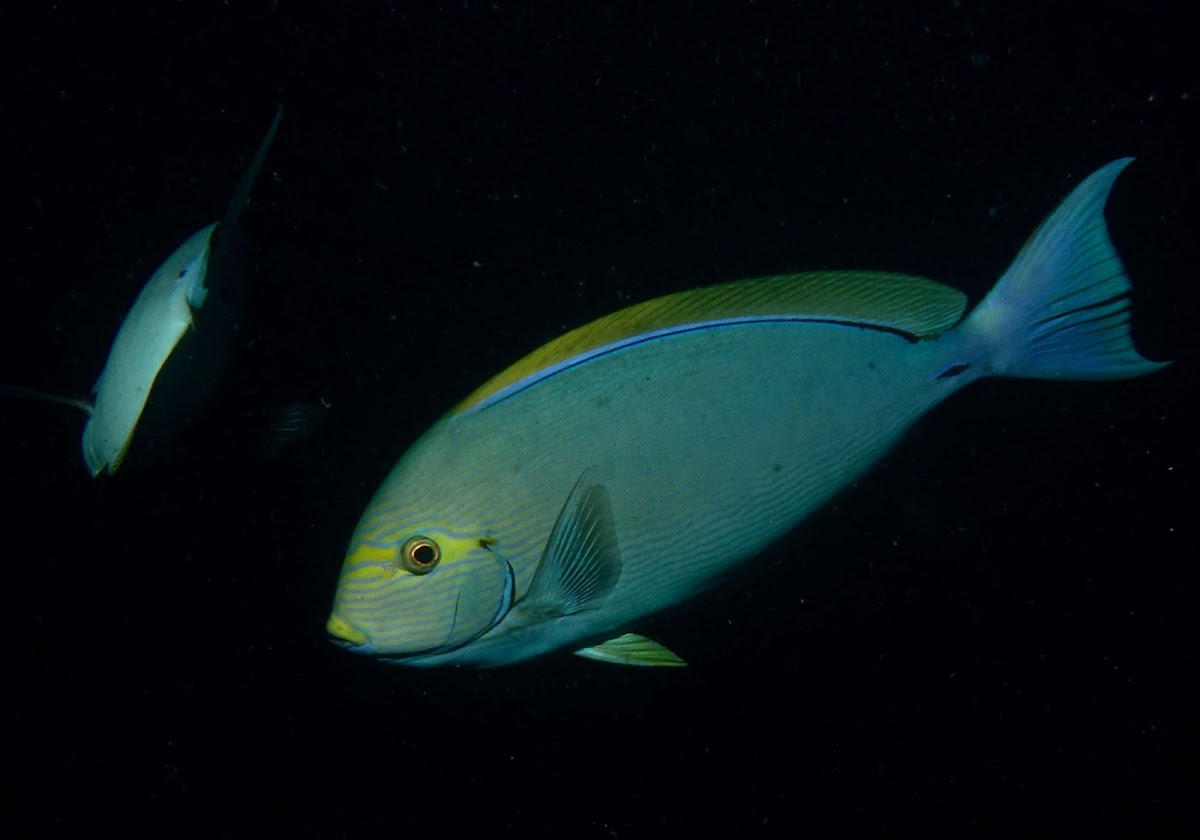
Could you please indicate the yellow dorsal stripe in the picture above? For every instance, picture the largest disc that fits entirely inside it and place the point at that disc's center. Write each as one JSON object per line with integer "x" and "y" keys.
{"x": 911, "y": 305}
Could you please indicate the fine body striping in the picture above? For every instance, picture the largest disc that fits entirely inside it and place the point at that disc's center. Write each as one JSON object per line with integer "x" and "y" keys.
{"x": 639, "y": 460}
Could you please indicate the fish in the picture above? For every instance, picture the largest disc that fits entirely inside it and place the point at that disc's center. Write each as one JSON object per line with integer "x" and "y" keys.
{"x": 174, "y": 341}
{"x": 639, "y": 461}
{"x": 290, "y": 424}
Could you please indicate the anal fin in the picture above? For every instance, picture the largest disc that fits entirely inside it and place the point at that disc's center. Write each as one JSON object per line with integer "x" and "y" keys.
{"x": 632, "y": 649}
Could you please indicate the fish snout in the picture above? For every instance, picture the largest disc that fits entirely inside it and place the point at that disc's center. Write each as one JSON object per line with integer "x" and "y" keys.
{"x": 344, "y": 631}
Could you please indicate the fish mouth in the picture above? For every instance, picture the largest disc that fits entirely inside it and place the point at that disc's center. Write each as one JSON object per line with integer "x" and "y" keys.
{"x": 345, "y": 634}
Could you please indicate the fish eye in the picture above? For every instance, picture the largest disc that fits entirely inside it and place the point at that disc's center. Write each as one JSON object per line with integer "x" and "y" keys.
{"x": 419, "y": 555}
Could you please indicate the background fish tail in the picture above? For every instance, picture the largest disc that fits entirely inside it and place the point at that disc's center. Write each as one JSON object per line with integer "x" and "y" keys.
{"x": 242, "y": 198}
{"x": 1061, "y": 310}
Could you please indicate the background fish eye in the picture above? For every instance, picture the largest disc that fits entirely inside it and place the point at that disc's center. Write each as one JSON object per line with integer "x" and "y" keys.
{"x": 420, "y": 555}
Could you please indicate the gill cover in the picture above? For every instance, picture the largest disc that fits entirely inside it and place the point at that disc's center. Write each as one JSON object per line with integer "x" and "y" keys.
{"x": 426, "y": 592}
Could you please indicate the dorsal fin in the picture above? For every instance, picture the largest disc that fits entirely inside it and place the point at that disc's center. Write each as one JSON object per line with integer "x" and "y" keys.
{"x": 911, "y": 305}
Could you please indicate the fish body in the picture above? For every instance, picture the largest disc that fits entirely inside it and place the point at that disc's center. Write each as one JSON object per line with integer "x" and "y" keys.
{"x": 158, "y": 319}
{"x": 165, "y": 311}
{"x": 639, "y": 461}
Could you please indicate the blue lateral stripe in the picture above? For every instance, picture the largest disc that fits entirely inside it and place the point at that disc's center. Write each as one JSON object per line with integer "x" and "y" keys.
{"x": 656, "y": 335}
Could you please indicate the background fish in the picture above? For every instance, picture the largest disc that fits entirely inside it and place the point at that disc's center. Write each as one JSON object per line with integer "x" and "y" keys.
{"x": 174, "y": 344}
{"x": 637, "y": 461}
{"x": 289, "y": 424}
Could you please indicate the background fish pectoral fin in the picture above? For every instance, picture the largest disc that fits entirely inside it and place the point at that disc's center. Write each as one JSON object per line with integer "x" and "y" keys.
{"x": 582, "y": 562}
{"x": 86, "y": 406}
{"x": 632, "y": 649}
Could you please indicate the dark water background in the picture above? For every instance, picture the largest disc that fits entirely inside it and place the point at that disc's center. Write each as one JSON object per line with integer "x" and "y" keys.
{"x": 996, "y": 631}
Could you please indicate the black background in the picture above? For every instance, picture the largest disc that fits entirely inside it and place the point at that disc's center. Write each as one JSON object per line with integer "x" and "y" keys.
{"x": 994, "y": 632}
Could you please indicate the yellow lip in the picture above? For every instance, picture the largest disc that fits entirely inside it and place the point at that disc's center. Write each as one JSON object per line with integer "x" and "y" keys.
{"x": 344, "y": 630}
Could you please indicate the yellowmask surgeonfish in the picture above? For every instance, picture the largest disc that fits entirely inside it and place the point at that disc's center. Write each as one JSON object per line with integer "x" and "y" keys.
{"x": 635, "y": 462}
{"x": 171, "y": 343}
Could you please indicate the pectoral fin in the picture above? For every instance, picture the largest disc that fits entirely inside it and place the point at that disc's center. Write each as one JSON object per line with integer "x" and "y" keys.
{"x": 632, "y": 649}
{"x": 17, "y": 391}
{"x": 581, "y": 563}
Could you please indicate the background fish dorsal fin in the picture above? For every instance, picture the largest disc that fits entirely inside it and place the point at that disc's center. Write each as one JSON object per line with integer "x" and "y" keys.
{"x": 914, "y": 306}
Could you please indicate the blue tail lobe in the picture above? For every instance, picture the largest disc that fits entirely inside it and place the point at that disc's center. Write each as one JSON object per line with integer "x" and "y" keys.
{"x": 1061, "y": 310}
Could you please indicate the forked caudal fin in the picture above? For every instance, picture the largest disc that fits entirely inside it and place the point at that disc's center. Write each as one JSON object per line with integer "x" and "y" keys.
{"x": 241, "y": 198}
{"x": 1061, "y": 310}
